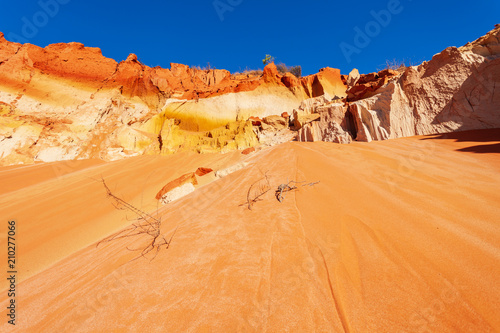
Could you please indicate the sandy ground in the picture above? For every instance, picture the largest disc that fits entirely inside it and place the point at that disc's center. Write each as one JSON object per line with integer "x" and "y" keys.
{"x": 62, "y": 207}
{"x": 398, "y": 236}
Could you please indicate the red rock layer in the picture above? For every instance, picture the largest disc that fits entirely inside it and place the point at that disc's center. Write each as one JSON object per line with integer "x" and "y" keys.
{"x": 184, "y": 179}
{"x": 327, "y": 80}
{"x": 201, "y": 171}
{"x": 368, "y": 84}
{"x": 86, "y": 66}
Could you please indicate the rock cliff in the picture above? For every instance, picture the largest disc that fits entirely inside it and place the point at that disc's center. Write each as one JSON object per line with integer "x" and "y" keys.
{"x": 457, "y": 90}
{"x": 68, "y": 101}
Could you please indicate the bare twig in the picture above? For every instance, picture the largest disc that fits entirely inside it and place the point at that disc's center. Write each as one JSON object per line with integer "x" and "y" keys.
{"x": 145, "y": 225}
{"x": 257, "y": 190}
{"x": 283, "y": 188}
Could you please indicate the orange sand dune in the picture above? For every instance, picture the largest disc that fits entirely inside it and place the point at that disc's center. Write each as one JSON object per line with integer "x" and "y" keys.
{"x": 62, "y": 207}
{"x": 398, "y": 236}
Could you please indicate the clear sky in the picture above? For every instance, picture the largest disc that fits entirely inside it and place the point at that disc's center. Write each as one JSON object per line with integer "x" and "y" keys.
{"x": 237, "y": 34}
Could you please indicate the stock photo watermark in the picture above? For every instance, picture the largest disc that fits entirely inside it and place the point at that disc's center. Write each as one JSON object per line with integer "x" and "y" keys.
{"x": 365, "y": 34}
{"x": 11, "y": 271}
{"x": 410, "y": 164}
{"x": 88, "y": 308}
{"x": 223, "y": 6}
{"x": 32, "y": 24}
{"x": 426, "y": 319}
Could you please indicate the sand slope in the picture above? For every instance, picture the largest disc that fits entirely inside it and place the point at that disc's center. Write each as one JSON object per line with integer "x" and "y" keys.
{"x": 62, "y": 207}
{"x": 398, "y": 236}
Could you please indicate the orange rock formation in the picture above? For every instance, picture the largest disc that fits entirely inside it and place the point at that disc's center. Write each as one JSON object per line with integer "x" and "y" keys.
{"x": 68, "y": 101}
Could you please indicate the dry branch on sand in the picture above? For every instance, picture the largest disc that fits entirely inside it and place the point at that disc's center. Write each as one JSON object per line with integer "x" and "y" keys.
{"x": 257, "y": 190}
{"x": 262, "y": 186}
{"x": 145, "y": 225}
{"x": 283, "y": 188}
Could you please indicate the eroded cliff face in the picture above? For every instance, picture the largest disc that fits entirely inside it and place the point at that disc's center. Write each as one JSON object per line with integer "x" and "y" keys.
{"x": 457, "y": 90}
{"x": 68, "y": 101}
{"x": 274, "y": 94}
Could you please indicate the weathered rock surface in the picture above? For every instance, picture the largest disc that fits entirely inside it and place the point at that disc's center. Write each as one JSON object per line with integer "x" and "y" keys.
{"x": 456, "y": 90}
{"x": 229, "y": 170}
{"x": 487, "y": 45}
{"x": 366, "y": 85}
{"x": 301, "y": 120}
{"x": 316, "y": 131}
{"x": 353, "y": 77}
{"x": 318, "y": 119}
{"x": 276, "y": 122}
{"x": 275, "y": 95}
{"x": 177, "y": 193}
{"x": 327, "y": 81}
{"x": 248, "y": 151}
{"x": 203, "y": 171}
{"x": 373, "y": 122}
{"x": 189, "y": 178}
{"x": 68, "y": 101}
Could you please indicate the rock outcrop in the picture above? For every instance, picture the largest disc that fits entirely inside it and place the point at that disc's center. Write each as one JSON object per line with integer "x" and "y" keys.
{"x": 456, "y": 90}
{"x": 323, "y": 119}
{"x": 248, "y": 151}
{"x": 68, "y": 101}
{"x": 373, "y": 122}
{"x": 181, "y": 186}
{"x": 177, "y": 193}
{"x": 275, "y": 122}
{"x": 366, "y": 85}
{"x": 275, "y": 95}
{"x": 189, "y": 178}
{"x": 204, "y": 171}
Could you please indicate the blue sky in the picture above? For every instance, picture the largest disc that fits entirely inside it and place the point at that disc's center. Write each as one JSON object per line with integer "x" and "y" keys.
{"x": 237, "y": 34}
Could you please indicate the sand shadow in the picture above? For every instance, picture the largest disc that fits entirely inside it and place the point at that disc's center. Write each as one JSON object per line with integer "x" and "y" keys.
{"x": 483, "y": 136}
{"x": 483, "y": 149}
